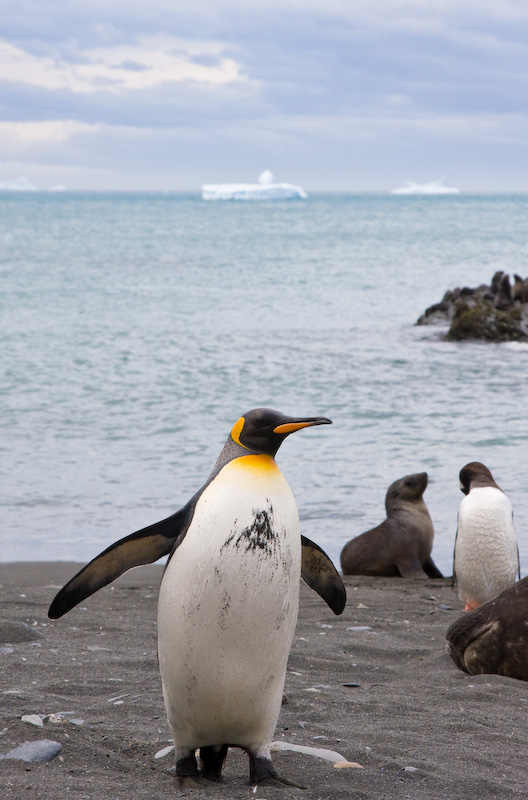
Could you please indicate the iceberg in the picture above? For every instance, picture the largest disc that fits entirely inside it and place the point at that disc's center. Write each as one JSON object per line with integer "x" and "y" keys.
{"x": 265, "y": 189}
{"x": 18, "y": 185}
{"x": 435, "y": 187}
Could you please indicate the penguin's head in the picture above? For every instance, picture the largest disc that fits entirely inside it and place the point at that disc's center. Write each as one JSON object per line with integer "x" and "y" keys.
{"x": 263, "y": 430}
{"x": 475, "y": 475}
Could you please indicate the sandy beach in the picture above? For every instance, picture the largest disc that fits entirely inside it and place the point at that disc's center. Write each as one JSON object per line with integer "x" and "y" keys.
{"x": 376, "y": 685}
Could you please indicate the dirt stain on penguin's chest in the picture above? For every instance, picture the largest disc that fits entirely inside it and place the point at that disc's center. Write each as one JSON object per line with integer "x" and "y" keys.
{"x": 260, "y": 536}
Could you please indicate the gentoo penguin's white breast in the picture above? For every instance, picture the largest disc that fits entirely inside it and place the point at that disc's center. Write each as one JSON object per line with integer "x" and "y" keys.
{"x": 228, "y": 607}
{"x": 486, "y": 556}
{"x": 486, "y": 513}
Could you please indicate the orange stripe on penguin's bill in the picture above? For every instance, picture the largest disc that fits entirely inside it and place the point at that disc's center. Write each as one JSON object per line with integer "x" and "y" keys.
{"x": 290, "y": 427}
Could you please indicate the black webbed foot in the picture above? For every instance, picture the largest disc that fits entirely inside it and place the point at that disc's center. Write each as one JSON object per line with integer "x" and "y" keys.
{"x": 213, "y": 762}
{"x": 263, "y": 773}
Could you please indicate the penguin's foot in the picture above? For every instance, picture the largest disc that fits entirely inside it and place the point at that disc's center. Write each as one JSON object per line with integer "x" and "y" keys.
{"x": 186, "y": 764}
{"x": 262, "y": 773}
{"x": 212, "y": 762}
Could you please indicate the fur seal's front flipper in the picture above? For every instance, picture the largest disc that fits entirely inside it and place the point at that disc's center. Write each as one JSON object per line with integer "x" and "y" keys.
{"x": 143, "y": 547}
{"x": 320, "y": 574}
{"x": 431, "y": 569}
{"x": 411, "y": 567}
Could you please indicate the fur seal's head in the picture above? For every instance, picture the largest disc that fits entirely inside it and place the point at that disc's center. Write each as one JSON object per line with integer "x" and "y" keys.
{"x": 406, "y": 490}
{"x": 475, "y": 476}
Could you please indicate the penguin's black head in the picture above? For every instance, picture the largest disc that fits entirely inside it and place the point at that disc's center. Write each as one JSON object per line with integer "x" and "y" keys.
{"x": 263, "y": 430}
{"x": 475, "y": 475}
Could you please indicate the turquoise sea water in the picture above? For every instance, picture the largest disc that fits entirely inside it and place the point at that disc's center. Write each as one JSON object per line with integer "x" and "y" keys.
{"x": 136, "y": 328}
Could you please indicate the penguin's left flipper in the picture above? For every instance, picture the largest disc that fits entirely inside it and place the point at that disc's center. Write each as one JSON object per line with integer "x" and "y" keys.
{"x": 320, "y": 574}
{"x": 143, "y": 547}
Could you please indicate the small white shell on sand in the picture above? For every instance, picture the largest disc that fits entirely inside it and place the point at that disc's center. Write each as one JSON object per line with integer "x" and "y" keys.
{"x": 337, "y": 759}
{"x": 164, "y": 752}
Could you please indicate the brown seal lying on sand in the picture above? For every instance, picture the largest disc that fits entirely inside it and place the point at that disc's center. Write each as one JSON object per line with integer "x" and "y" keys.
{"x": 402, "y": 544}
{"x": 493, "y": 639}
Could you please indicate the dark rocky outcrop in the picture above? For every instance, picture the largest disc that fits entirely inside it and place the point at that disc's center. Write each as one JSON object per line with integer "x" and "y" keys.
{"x": 494, "y": 313}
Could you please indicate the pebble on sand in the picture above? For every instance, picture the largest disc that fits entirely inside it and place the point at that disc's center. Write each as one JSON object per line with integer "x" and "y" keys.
{"x": 16, "y": 632}
{"x": 35, "y": 752}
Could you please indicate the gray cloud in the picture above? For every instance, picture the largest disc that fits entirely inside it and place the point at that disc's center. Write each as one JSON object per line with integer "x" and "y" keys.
{"x": 345, "y": 95}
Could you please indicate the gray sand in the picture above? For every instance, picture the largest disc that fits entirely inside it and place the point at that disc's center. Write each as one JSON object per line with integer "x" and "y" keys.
{"x": 419, "y": 727}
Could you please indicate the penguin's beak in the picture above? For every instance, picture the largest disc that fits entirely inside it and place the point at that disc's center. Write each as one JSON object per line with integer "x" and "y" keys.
{"x": 296, "y": 424}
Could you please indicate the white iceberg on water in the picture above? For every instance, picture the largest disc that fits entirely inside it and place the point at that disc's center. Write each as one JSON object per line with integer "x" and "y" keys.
{"x": 435, "y": 187}
{"x": 17, "y": 185}
{"x": 265, "y": 189}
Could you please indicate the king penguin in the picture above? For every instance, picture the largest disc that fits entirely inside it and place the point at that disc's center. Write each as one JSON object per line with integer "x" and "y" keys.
{"x": 486, "y": 558}
{"x": 228, "y": 600}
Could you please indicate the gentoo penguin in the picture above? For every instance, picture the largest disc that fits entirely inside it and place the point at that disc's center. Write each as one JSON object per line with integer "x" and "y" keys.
{"x": 228, "y": 599}
{"x": 402, "y": 544}
{"x": 486, "y": 558}
{"x": 493, "y": 639}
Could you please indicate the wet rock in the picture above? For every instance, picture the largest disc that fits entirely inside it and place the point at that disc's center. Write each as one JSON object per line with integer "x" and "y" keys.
{"x": 494, "y": 313}
{"x": 442, "y": 313}
{"x": 487, "y": 322}
{"x": 34, "y": 752}
{"x": 15, "y": 632}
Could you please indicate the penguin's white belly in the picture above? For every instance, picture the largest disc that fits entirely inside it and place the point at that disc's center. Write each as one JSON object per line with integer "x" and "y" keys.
{"x": 228, "y": 608}
{"x": 486, "y": 556}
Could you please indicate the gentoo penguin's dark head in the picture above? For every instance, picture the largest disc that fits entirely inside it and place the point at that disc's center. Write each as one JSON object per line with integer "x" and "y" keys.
{"x": 263, "y": 430}
{"x": 475, "y": 476}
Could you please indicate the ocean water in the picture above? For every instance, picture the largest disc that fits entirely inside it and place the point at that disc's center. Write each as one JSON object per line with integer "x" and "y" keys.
{"x": 137, "y": 328}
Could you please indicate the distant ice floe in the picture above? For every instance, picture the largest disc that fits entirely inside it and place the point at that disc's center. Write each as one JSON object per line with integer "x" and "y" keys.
{"x": 25, "y": 185}
{"x": 265, "y": 189}
{"x": 435, "y": 187}
{"x": 17, "y": 185}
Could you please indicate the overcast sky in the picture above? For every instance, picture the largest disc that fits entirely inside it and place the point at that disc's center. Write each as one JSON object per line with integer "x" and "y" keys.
{"x": 329, "y": 94}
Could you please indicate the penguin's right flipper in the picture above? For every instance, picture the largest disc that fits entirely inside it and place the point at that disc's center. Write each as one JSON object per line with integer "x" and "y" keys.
{"x": 320, "y": 574}
{"x": 143, "y": 547}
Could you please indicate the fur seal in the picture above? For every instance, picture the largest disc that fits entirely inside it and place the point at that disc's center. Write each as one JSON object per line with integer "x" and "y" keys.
{"x": 228, "y": 599}
{"x": 493, "y": 639}
{"x": 520, "y": 289}
{"x": 486, "y": 557}
{"x": 402, "y": 544}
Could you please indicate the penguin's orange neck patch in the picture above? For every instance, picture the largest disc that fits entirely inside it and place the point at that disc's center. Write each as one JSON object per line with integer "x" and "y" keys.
{"x": 263, "y": 464}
